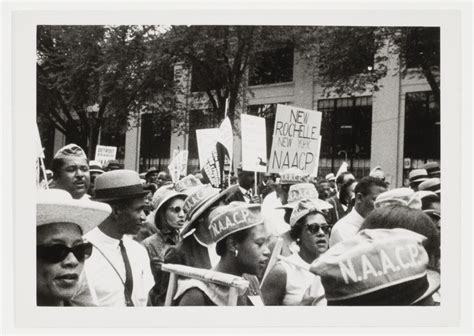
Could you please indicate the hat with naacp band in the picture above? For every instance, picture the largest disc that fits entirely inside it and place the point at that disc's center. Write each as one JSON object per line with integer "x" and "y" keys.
{"x": 187, "y": 183}
{"x": 95, "y": 167}
{"x": 307, "y": 206}
{"x": 198, "y": 201}
{"x": 118, "y": 184}
{"x": 417, "y": 175}
{"x": 432, "y": 168}
{"x": 58, "y": 206}
{"x": 363, "y": 268}
{"x": 402, "y": 196}
{"x": 300, "y": 191}
{"x": 293, "y": 176}
{"x": 235, "y": 216}
{"x": 432, "y": 184}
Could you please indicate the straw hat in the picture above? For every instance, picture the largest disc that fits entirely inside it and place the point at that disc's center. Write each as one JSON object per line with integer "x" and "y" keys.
{"x": 118, "y": 184}
{"x": 432, "y": 184}
{"x": 58, "y": 206}
{"x": 307, "y": 206}
{"x": 393, "y": 256}
{"x": 293, "y": 176}
{"x": 432, "y": 168}
{"x": 70, "y": 150}
{"x": 417, "y": 175}
{"x": 401, "y": 196}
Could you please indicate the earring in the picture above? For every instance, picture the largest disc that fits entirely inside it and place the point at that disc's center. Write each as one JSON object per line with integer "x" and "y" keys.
{"x": 236, "y": 253}
{"x": 298, "y": 240}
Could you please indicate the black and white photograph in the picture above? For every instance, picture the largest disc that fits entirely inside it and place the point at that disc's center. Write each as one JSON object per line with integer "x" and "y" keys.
{"x": 285, "y": 166}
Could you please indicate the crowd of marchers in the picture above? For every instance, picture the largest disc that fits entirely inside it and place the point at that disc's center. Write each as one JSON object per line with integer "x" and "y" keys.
{"x": 108, "y": 236}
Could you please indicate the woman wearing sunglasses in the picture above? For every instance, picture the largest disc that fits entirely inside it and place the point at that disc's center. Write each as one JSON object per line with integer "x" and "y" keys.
{"x": 289, "y": 279}
{"x": 169, "y": 218}
{"x": 60, "y": 249}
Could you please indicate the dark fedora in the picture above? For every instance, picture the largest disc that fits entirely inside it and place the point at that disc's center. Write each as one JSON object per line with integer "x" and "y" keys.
{"x": 117, "y": 185}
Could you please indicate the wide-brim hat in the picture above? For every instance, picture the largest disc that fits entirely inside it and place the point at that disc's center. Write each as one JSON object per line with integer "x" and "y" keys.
{"x": 417, "y": 175}
{"x": 187, "y": 184}
{"x": 58, "y": 206}
{"x": 399, "y": 196}
{"x": 235, "y": 216}
{"x": 196, "y": 203}
{"x": 118, "y": 184}
{"x": 432, "y": 168}
{"x": 395, "y": 256}
{"x": 224, "y": 195}
{"x": 160, "y": 197}
{"x": 432, "y": 184}
{"x": 298, "y": 192}
{"x": 293, "y": 176}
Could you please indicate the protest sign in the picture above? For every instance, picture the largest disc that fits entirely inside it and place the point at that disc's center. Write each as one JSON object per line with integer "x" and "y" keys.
{"x": 206, "y": 139}
{"x": 316, "y": 166}
{"x": 295, "y": 139}
{"x": 104, "y": 154}
{"x": 178, "y": 165}
{"x": 254, "y": 143}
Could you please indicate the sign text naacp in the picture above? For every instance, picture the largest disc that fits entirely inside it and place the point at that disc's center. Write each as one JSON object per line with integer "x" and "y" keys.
{"x": 295, "y": 139}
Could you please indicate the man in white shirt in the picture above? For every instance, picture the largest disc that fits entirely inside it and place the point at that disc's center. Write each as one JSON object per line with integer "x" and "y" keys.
{"x": 366, "y": 192}
{"x": 118, "y": 272}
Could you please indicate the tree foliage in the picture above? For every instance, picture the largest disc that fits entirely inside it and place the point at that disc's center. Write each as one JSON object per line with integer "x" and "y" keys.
{"x": 116, "y": 69}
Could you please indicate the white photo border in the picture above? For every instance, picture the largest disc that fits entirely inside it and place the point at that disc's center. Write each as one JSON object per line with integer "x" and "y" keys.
{"x": 18, "y": 237}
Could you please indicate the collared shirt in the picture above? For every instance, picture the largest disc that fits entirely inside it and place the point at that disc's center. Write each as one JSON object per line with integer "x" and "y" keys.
{"x": 156, "y": 246}
{"x": 245, "y": 193}
{"x": 105, "y": 288}
{"x": 346, "y": 227}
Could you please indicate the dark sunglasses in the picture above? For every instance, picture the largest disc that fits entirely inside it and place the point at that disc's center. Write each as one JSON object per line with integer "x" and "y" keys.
{"x": 176, "y": 209}
{"x": 56, "y": 253}
{"x": 313, "y": 229}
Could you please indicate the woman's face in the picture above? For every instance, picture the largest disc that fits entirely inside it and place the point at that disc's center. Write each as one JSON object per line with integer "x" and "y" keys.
{"x": 253, "y": 251}
{"x": 314, "y": 237}
{"x": 174, "y": 213}
{"x": 58, "y": 281}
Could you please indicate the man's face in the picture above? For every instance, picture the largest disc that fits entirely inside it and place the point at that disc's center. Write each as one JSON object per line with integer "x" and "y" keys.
{"x": 365, "y": 204}
{"x": 324, "y": 190}
{"x": 153, "y": 177}
{"x": 131, "y": 217}
{"x": 74, "y": 176}
{"x": 246, "y": 179}
{"x": 160, "y": 179}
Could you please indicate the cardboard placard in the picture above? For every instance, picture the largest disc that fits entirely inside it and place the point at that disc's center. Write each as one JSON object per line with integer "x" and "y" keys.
{"x": 296, "y": 138}
{"x": 254, "y": 143}
{"x": 178, "y": 165}
{"x": 206, "y": 141}
{"x": 104, "y": 154}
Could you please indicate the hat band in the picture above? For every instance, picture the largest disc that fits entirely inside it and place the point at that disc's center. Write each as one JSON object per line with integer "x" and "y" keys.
{"x": 119, "y": 192}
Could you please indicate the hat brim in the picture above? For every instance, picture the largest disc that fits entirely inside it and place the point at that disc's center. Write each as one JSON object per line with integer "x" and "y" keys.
{"x": 434, "y": 284}
{"x": 87, "y": 216}
{"x": 420, "y": 179}
{"x": 152, "y": 215}
{"x": 121, "y": 197}
{"x": 93, "y": 170}
{"x": 205, "y": 205}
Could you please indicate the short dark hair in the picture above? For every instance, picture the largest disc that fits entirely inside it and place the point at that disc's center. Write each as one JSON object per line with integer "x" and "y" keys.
{"x": 340, "y": 177}
{"x": 238, "y": 236}
{"x": 150, "y": 187}
{"x": 368, "y": 182}
{"x": 56, "y": 165}
{"x": 427, "y": 201}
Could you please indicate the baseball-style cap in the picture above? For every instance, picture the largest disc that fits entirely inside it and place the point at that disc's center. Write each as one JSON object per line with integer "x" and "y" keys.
{"x": 233, "y": 217}
{"x": 401, "y": 196}
{"x": 367, "y": 265}
{"x": 307, "y": 206}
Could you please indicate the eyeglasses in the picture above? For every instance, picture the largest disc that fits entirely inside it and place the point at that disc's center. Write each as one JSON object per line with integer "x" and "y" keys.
{"x": 314, "y": 228}
{"x": 176, "y": 209}
{"x": 56, "y": 253}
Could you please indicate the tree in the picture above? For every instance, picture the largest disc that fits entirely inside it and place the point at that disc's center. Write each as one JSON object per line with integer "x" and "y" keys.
{"x": 350, "y": 59}
{"x": 114, "y": 71}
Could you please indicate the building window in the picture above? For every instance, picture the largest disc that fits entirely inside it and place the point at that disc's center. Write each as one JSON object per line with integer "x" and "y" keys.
{"x": 422, "y": 126}
{"x": 199, "y": 119}
{"x": 155, "y": 137}
{"x": 205, "y": 79}
{"x": 346, "y": 126}
{"x": 422, "y": 45}
{"x": 272, "y": 66}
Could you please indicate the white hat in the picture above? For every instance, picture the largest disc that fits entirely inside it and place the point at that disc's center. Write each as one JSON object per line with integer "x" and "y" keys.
{"x": 58, "y": 206}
